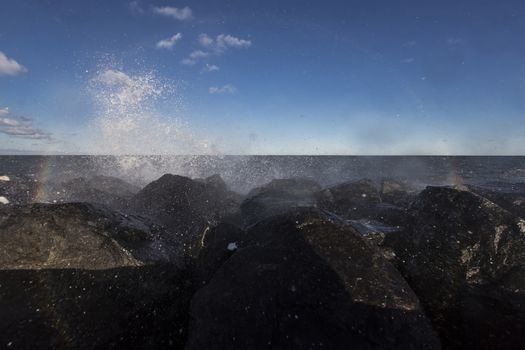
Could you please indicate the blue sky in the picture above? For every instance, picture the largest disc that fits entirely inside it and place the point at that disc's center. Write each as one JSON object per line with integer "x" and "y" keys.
{"x": 263, "y": 77}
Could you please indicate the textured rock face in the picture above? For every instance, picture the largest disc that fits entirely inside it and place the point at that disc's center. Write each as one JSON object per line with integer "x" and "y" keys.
{"x": 301, "y": 281}
{"x": 185, "y": 207}
{"x": 397, "y": 193}
{"x": 277, "y": 197}
{"x": 123, "y": 308}
{"x": 464, "y": 256}
{"x": 217, "y": 245}
{"x": 352, "y": 200}
{"x": 513, "y": 201}
{"x": 76, "y": 235}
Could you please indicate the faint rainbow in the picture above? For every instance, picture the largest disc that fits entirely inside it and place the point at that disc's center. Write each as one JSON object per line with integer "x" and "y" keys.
{"x": 454, "y": 177}
{"x": 40, "y": 194}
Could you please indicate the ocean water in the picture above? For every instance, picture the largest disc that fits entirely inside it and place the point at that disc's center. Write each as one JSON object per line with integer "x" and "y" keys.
{"x": 29, "y": 174}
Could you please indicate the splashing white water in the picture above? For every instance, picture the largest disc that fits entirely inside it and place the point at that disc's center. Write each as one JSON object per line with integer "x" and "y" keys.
{"x": 128, "y": 121}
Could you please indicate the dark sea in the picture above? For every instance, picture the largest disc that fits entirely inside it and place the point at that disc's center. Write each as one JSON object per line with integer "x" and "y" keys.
{"x": 29, "y": 175}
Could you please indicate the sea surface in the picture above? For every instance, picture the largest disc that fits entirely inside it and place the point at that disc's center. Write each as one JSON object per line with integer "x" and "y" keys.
{"x": 29, "y": 174}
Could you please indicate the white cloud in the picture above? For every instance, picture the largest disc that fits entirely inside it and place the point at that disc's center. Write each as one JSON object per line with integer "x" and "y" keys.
{"x": 9, "y": 66}
{"x": 208, "y": 68}
{"x": 226, "y": 89}
{"x": 226, "y": 40}
{"x": 198, "y": 54}
{"x": 408, "y": 60}
{"x": 223, "y": 42}
{"x": 174, "y": 12}
{"x": 21, "y": 127}
{"x": 205, "y": 40}
{"x": 4, "y": 112}
{"x": 194, "y": 57}
{"x": 169, "y": 42}
{"x": 217, "y": 46}
{"x": 188, "y": 62}
{"x": 136, "y": 7}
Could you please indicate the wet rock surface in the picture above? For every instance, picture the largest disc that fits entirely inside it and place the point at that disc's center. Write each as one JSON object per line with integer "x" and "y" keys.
{"x": 351, "y": 200}
{"x": 464, "y": 256}
{"x": 129, "y": 307}
{"x": 189, "y": 263}
{"x": 74, "y": 235}
{"x": 185, "y": 207}
{"x": 278, "y": 197}
{"x": 301, "y": 281}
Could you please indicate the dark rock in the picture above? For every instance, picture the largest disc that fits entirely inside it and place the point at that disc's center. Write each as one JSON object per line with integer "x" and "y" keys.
{"x": 391, "y": 214}
{"x": 74, "y": 235}
{"x": 295, "y": 187}
{"x": 277, "y": 197}
{"x": 121, "y": 308}
{"x": 512, "y": 201}
{"x": 185, "y": 207}
{"x": 351, "y": 200}
{"x": 464, "y": 256}
{"x": 397, "y": 193}
{"x": 217, "y": 245}
{"x": 301, "y": 281}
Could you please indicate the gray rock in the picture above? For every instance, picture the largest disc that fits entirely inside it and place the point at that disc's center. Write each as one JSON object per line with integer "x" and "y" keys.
{"x": 185, "y": 207}
{"x": 351, "y": 200}
{"x": 464, "y": 256}
{"x": 74, "y": 235}
{"x": 300, "y": 281}
{"x": 277, "y": 197}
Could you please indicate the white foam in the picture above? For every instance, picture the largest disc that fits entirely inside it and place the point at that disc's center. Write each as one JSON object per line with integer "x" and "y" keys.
{"x": 4, "y": 200}
{"x": 5, "y": 178}
{"x": 232, "y": 246}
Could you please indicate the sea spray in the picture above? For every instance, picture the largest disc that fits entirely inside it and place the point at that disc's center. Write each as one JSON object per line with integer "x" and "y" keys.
{"x": 129, "y": 125}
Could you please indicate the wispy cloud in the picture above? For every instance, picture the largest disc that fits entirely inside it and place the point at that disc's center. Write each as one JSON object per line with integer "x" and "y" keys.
{"x": 408, "y": 60}
{"x": 4, "y": 112}
{"x": 181, "y": 14}
{"x": 9, "y": 66}
{"x": 136, "y": 7}
{"x": 226, "y": 40}
{"x": 21, "y": 127}
{"x": 215, "y": 46}
{"x": 454, "y": 41}
{"x": 205, "y": 40}
{"x": 208, "y": 68}
{"x": 188, "y": 62}
{"x": 169, "y": 42}
{"x": 223, "y": 42}
{"x": 195, "y": 56}
{"x": 226, "y": 89}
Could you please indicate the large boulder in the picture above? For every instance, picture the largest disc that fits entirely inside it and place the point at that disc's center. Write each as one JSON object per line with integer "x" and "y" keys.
{"x": 277, "y": 197}
{"x": 299, "y": 281}
{"x": 185, "y": 207}
{"x": 397, "y": 192}
{"x": 217, "y": 245}
{"x": 142, "y": 307}
{"x": 75, "y": 235}
{"x": 464, "y": 256}
{"x": 80, "y": 276}
{"x": 511, "y": 198}
{"x": 351, "y": 200}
